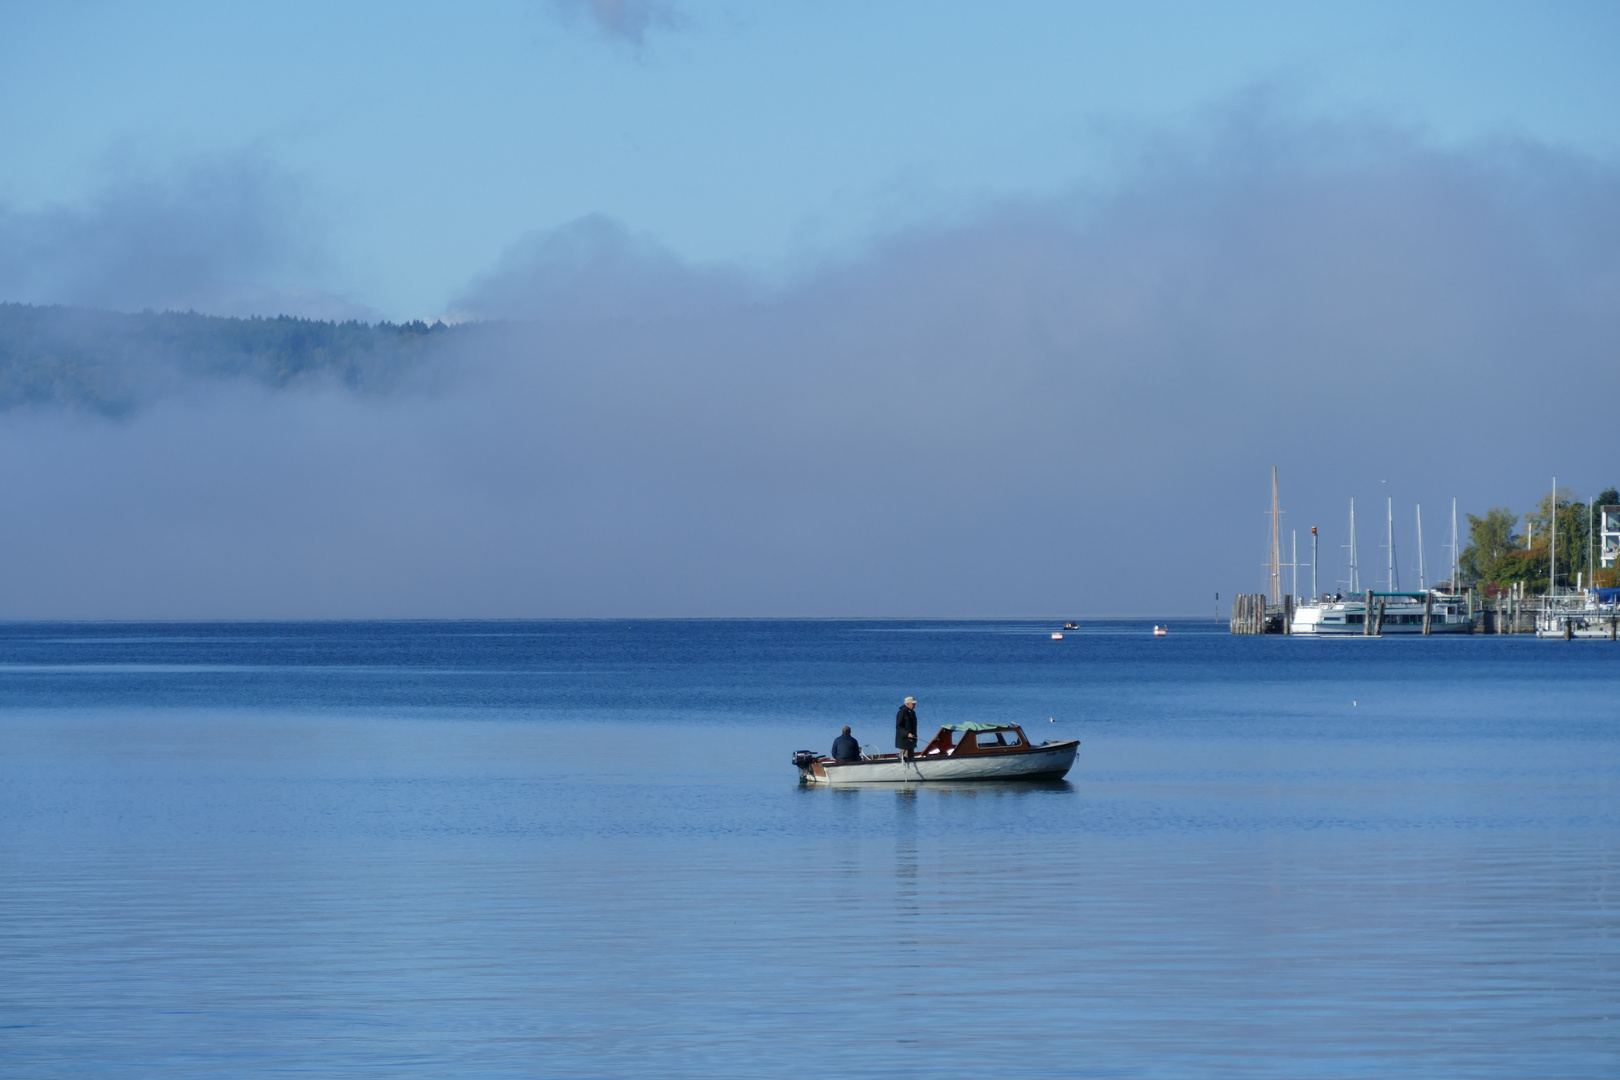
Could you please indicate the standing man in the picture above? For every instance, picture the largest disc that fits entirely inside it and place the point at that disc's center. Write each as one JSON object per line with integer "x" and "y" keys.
{"x": 905, "y": 729}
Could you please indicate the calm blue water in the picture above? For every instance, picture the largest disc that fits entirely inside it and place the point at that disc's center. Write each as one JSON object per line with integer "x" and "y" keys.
{"x": 579, "y": 849}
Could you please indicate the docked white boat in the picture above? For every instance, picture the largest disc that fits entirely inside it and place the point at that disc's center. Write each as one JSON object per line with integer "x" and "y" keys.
{"x": 1582, "y": 613}
{"x": 984, "y": 752}
{"x": 1403, "y": 613}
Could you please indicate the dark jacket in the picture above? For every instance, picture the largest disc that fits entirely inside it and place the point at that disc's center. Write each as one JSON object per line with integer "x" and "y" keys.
{"x": 845, "y": 748}
{"x": 905, "y": 728}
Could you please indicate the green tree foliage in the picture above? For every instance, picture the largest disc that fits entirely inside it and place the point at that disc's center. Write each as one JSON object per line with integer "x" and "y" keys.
{"x": 1573, "y": 534}
{"x": 1498, "y": 556}
{"x": 1528, "y": 565}
{"x": 1491, "y": 539}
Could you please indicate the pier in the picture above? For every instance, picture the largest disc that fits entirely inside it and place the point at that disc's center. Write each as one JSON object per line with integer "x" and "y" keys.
{"x": 1252, "y": 615}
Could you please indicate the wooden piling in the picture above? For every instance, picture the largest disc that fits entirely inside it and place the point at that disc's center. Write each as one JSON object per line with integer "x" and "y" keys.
{"x": 1367, "y": 618}
{"x": 1249, "y": 614}
{"x": 1428, "y": 612}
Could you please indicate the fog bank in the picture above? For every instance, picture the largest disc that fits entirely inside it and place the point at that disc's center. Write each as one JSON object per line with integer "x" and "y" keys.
{"x": 1065, "y": 406}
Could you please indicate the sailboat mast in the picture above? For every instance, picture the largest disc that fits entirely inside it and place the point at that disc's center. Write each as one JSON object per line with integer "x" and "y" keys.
{"x": 1294, "y": 562}
{"x": 1455, "y": 564}
{"x": 1275, "y": 565}
{"x": 1355, "y": 572}
{"x": 1552, "y": 541}
{"x": 1423, "y": 571}
{"x": 1390, "y": 578}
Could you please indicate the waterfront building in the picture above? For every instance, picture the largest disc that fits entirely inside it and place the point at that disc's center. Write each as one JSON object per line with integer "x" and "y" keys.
{"x": 1609, "y": 532}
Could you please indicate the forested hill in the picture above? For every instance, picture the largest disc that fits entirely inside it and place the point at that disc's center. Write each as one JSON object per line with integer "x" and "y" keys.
{"x": 110, "y": 362}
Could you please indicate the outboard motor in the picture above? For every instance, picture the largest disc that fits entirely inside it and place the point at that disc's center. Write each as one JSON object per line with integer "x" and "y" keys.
{"x": 804, "y": 759}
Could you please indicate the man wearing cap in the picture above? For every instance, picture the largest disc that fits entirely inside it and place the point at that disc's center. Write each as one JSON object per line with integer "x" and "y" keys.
{"x": 905, "y": 728}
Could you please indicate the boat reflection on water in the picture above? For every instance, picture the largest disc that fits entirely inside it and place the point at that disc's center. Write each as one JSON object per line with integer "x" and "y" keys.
{"x": 971, "y": 788}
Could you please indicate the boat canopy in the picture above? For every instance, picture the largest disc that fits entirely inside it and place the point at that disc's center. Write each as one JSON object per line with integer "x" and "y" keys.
{"x": 973, "y": 725}
{"x": 1607, "y": 596}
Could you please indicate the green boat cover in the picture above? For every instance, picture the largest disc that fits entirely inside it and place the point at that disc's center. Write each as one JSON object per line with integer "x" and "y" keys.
{"x": 972, "y": 725}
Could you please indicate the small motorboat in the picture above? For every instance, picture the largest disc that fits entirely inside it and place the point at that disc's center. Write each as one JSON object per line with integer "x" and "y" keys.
{"x": 1160, "y": 631}
{"x": 984, "y": 752}
{"x": 1071, "y": 626}
{"x": 1057, "y": 635}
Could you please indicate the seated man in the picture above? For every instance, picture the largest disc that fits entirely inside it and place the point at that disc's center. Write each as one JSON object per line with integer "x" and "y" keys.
{"x": 845, "y": 748}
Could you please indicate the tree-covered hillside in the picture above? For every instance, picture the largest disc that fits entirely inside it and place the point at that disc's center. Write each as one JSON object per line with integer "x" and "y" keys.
{"x": 110, "y": 362}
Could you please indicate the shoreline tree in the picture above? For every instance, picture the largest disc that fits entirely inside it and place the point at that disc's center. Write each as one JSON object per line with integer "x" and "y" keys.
{"x": 1492, "y": 542}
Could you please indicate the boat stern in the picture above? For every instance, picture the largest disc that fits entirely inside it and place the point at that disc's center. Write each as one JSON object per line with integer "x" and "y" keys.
{"x": 808, "y": 762}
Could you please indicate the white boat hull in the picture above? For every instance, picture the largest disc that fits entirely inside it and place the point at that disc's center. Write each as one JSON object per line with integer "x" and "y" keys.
{"x": 1051, "y": 761}
{"x": 1347, "y": 618}
{"x": 1388, "y": 630}
{"x": 1593, "y": 626}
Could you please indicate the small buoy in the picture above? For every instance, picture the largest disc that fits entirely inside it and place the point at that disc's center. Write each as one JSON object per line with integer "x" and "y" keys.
{"x": 1056, "y": 636}
{"x": 1051, "y": 719}
{"x": 1352, "y": 703}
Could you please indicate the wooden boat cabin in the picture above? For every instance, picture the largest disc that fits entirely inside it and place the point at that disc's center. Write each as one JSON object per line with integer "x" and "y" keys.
{"x": 976, "y": 739}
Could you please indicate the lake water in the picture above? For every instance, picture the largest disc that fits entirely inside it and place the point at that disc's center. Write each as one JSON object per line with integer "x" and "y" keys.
{"x": 579, "y": 849}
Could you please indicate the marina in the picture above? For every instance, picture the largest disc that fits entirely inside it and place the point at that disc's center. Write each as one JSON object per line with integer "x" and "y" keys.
{"x": 1450, "y": 607}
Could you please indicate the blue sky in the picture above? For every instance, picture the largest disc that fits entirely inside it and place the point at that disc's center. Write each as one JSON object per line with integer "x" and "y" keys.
{"x": 800, "y": 309}
{"x": 424, "y": 139}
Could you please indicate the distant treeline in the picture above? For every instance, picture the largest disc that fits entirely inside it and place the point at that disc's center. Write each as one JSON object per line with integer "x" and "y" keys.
{"x": 1500, "y": 553}
{"x": 110, "y": 362}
